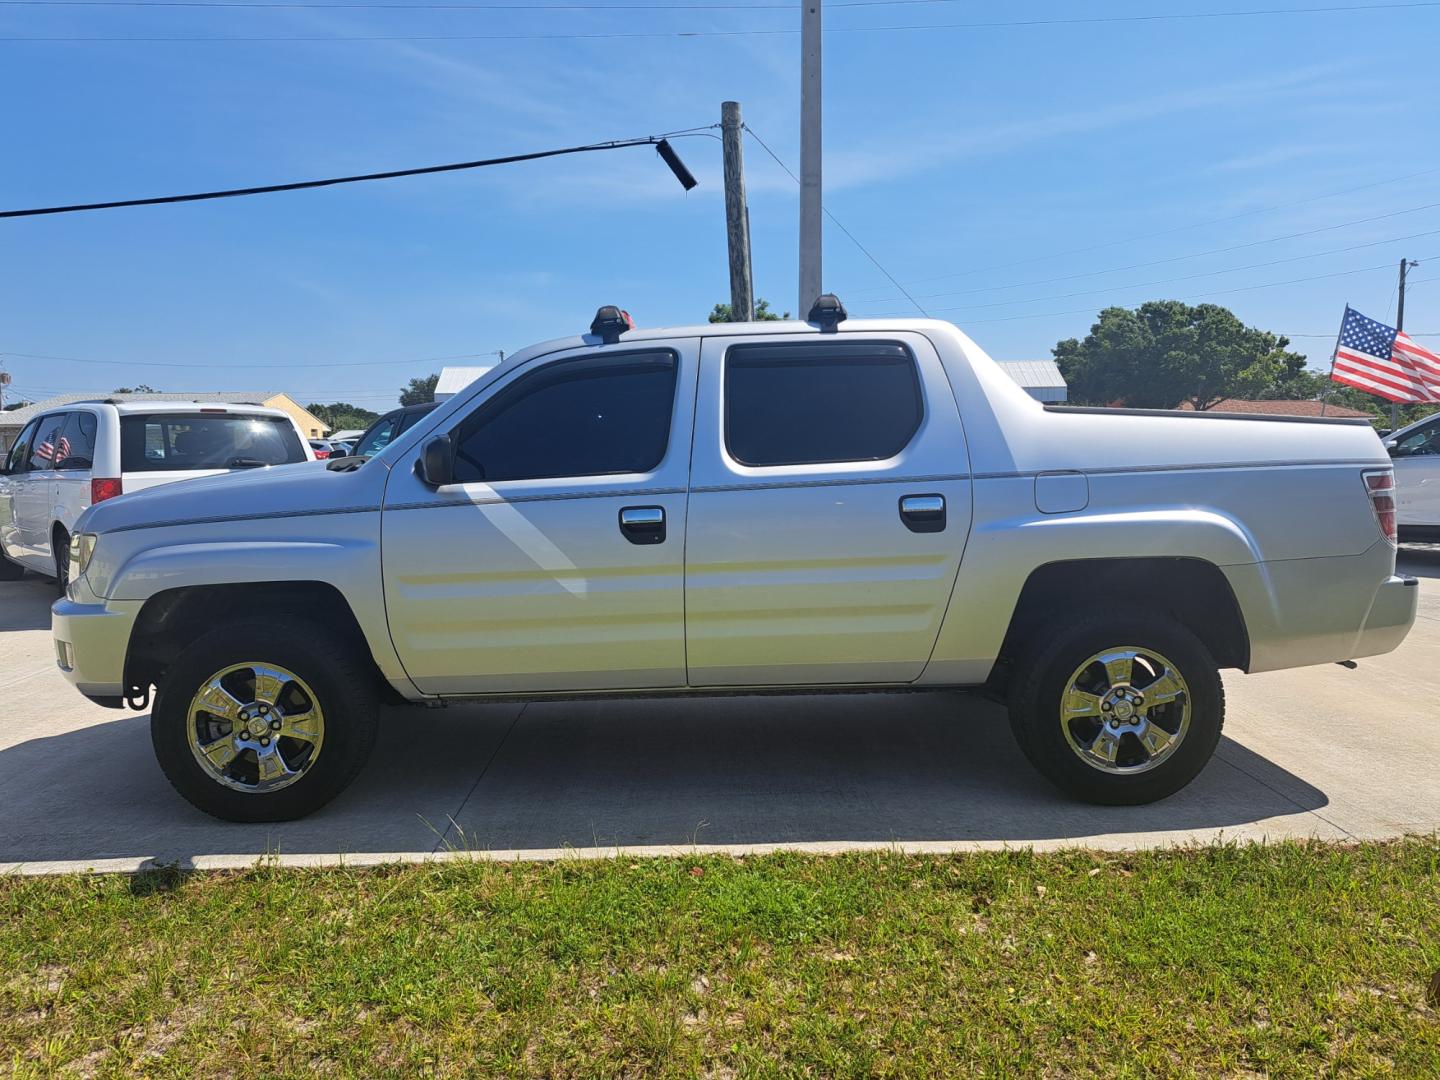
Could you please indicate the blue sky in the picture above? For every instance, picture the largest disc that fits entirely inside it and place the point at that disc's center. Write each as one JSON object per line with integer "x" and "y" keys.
{"x": 986, "y": 169}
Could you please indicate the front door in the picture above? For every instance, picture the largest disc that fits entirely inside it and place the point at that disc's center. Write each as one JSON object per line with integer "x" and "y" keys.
{"x": 35, "y": 493}
{"x": 1417, "y": 476}
{"x": 829, "y": 507}
{"x": 555, "y": 561}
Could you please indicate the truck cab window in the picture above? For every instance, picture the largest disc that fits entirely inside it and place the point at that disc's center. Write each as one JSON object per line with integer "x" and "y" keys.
{"x": 594, "y": 416}
{"x": 820, "y": 402}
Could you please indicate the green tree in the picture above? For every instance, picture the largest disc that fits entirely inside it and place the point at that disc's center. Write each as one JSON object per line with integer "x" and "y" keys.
{"x": 721, "y": 313}
{"x": 143, "y": 388}
{"x": 420, "y": 390}
{"x": 342, "y": 416}
{"x": 1165, "y": 353}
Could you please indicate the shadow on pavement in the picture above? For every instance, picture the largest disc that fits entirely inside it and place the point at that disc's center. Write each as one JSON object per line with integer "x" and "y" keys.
{"x": 25, "y": 604}
{"x": 879, "y": 767}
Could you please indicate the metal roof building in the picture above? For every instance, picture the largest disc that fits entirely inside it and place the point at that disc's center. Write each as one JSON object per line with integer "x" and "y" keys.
{"x": 1040, "y": 378}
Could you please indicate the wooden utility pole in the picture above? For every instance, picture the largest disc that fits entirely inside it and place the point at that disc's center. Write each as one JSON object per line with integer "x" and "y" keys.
{"x": 737, "y": 214}
{"x": 810, "y": 186}
{"x": 1405, "y": 265}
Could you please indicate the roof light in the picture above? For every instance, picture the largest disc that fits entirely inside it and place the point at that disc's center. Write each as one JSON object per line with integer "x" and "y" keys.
{"x": 827, "y": 313}
{"x": 609, "y": 323}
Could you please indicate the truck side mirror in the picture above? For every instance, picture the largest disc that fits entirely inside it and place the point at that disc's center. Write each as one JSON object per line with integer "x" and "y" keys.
{"x": 437, "y": 463}
{"x": 1392, "y": 447}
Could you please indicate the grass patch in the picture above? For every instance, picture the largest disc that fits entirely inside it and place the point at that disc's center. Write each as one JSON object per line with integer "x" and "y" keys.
{"x": 1294, "y": 959}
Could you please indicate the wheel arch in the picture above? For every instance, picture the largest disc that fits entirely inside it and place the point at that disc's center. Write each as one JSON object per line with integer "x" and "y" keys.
{"x": 1194, "y": 591}
{"x": 172, "y": 618}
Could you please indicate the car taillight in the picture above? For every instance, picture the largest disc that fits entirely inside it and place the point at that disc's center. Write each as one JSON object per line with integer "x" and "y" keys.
{"x": 1381, "y": 487}
{"x": 321, "y": 455}
{"x": 102, "y": 489}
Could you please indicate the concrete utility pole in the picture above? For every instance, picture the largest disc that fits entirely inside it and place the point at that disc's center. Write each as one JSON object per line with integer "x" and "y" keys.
{"x": 810, "y": 187}
{"x": 737, "y": 214}
{"x": 1405, "y": 266}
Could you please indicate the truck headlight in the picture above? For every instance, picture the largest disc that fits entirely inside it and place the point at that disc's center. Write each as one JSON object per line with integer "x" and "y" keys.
{"x": 82, "y": 547}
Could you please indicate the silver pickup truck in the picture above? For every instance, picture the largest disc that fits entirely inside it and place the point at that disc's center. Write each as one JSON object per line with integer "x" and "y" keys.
{"x": 832, "y": 505}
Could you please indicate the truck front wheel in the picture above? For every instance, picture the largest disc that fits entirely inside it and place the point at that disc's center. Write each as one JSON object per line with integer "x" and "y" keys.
{"x": 264, "y": 720}
{"x": 1118, "y": 711}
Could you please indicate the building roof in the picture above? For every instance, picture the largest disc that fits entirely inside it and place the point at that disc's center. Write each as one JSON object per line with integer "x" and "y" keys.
{"x": 1281, "y": 408}
{"x": 1041, "y": 374}
{"x": 454, "y": 379}
{"x": 20, "y": 417}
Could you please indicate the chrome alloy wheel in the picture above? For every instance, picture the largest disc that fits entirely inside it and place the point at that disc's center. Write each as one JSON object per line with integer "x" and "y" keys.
{"x": 255, "y": 727}
{"x": 1125, "y": 710}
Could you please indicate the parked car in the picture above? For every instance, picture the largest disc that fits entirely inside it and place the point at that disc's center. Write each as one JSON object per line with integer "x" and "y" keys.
{"x": 341, "y": 447}
{"x": 1415, "y": 451}
{"x": 90, "y": 451}
{"x": 394, "y": 423}
{"x": 768, "y": 507}
{"x": 322, "y": 449}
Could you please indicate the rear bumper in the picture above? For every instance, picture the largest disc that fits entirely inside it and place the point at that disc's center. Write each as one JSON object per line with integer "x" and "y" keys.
{"x": 90, "y": 644}
{"x": 1391, "y": 616}
{"x": 1317, "y": 611}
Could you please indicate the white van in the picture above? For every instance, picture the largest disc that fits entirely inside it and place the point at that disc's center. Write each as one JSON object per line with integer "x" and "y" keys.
{"x": 87, "y": 451}
{"x": 1415, "y": 451}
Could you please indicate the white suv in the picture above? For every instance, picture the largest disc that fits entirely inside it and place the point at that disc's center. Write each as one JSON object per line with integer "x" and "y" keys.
{"x": 1416, "y": 452}
{"x": 88, "y": 451}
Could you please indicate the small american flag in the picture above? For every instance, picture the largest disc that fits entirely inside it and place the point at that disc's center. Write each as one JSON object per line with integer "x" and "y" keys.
{"x": 1383, "y": 361}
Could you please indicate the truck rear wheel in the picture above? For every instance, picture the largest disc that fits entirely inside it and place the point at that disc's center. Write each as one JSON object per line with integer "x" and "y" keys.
{"x": 264, "y": 720}
{"x": 1118, "y": 711}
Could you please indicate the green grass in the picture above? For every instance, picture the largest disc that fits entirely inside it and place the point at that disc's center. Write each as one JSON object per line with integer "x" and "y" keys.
{"x": 1284, "y": 960}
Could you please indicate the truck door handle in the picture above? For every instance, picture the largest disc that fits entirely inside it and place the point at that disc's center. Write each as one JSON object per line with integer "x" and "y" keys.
{"x": 923, "y": 513}
{"x": 643, "y": 524}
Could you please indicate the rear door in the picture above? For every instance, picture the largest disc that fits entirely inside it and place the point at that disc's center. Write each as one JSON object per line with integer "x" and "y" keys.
{"x": 74, "y": 464}
{"x": 555, "y": 560}
{"x": 829, "y": 506}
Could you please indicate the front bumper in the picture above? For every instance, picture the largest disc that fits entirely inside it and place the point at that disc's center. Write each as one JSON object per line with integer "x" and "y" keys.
{"x": 1391, "y": 616}
{"x": 90, "y": 644}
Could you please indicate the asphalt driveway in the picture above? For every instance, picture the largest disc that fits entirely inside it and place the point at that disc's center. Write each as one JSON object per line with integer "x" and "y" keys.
{"x": 1319, "y": 752}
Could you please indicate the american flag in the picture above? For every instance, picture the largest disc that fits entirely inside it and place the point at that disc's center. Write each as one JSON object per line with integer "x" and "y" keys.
{"x": 1383, "y": 361}
{"x": 57, "y": 451}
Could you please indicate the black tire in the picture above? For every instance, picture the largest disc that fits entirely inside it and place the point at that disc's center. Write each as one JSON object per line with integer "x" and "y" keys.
{"x": 342, "y": 681}
{"x": 10, "y": 571}
{"x": 60, "y": 541}
{"x": 1041, "y": 679}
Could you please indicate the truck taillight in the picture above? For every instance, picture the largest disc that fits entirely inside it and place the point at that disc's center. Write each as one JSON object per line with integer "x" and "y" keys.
{"x": 1380, "y": 485}
{"x": 104, "y": 488}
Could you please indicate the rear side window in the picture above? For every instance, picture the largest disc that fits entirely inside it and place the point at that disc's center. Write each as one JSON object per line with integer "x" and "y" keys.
{"x": 594, "y": 416}
{"x": 77, "y": 442}
{"x": 182, "y": 442}
{"x": 48, "y": 443}
{"x": 819, "y": 402}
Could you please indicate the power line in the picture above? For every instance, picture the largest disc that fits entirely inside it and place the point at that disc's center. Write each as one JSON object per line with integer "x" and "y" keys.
{"x": 658, "y": 141}
{"x": 1175, "y": 258}
{"x": 643, "y": 35}
{"x": 1193, "y": 296}
{"x": 1186, "y": 277}
{"x": 286, "y": 366}
{"x": 1163, "y": 232}
{"x": 836, "y": 221}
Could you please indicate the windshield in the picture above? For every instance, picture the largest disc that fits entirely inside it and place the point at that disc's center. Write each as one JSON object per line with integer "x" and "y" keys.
{"x": 176, "y": 442}
{"x": 378, "y": 437}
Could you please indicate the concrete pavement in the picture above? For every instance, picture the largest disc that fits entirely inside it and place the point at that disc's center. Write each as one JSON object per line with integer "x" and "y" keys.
{"x": 1319, "y": 752}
